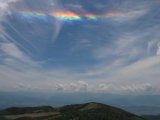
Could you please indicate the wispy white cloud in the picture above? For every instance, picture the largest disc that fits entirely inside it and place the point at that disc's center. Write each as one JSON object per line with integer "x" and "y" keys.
{"x": 129, "y": 64}
{"x": 130, "y": 16}
{"x": 11, "y": 54}
{"x": 125, "y": 81}
{"x": 144, "y": 69}
{"x": 4, "y": 7}
{"x": 14, "y": 57}
{"x": 7, "y": 8}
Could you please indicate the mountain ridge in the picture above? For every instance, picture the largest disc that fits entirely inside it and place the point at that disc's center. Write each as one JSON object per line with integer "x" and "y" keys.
{"x": 86, "y": 111}
{"x": 137, "y": 104}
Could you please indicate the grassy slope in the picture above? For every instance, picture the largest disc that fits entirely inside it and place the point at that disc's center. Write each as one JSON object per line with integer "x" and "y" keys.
{"x": 88, "y": 111}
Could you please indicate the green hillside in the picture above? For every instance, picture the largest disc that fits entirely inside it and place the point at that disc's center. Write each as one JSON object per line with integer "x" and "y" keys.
{"x": 88, "y": 111}
{"x": 152, "y": 117}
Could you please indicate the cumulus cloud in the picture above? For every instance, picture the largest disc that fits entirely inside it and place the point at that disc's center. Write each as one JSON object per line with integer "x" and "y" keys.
{"x": 83, "y": 85}
{"x": 33, "y": 80}
{"x": 23, "y": 86}
{"x": 144, "y": 87}
{"x": 73, "y": 87}
{"x": 158, "y": 49}
{"x": 60, "y": 87}
{"x": 104, "y": 87}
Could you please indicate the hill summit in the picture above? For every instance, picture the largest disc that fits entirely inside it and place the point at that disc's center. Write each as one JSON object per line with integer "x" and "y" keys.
{"x": 87, "y": 111}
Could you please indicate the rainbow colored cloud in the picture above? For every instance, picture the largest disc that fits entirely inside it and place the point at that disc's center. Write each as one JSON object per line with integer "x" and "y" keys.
{"x": 68, "y": 16}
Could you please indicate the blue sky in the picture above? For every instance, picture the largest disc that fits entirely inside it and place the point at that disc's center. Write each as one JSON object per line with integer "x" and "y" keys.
{"x": 115, "y": 55}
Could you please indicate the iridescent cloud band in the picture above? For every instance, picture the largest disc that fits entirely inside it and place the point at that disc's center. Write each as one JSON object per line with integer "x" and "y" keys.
{"x": 70, "y": 16}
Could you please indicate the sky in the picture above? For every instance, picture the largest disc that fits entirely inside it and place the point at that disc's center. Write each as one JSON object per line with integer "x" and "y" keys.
{"x": 110, "y": 46}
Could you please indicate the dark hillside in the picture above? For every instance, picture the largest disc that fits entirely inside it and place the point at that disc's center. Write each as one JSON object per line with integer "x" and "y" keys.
{"x": 88, "y": 111}
{"x": 152, "y": 117}
{"x": 17, "y": 110}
